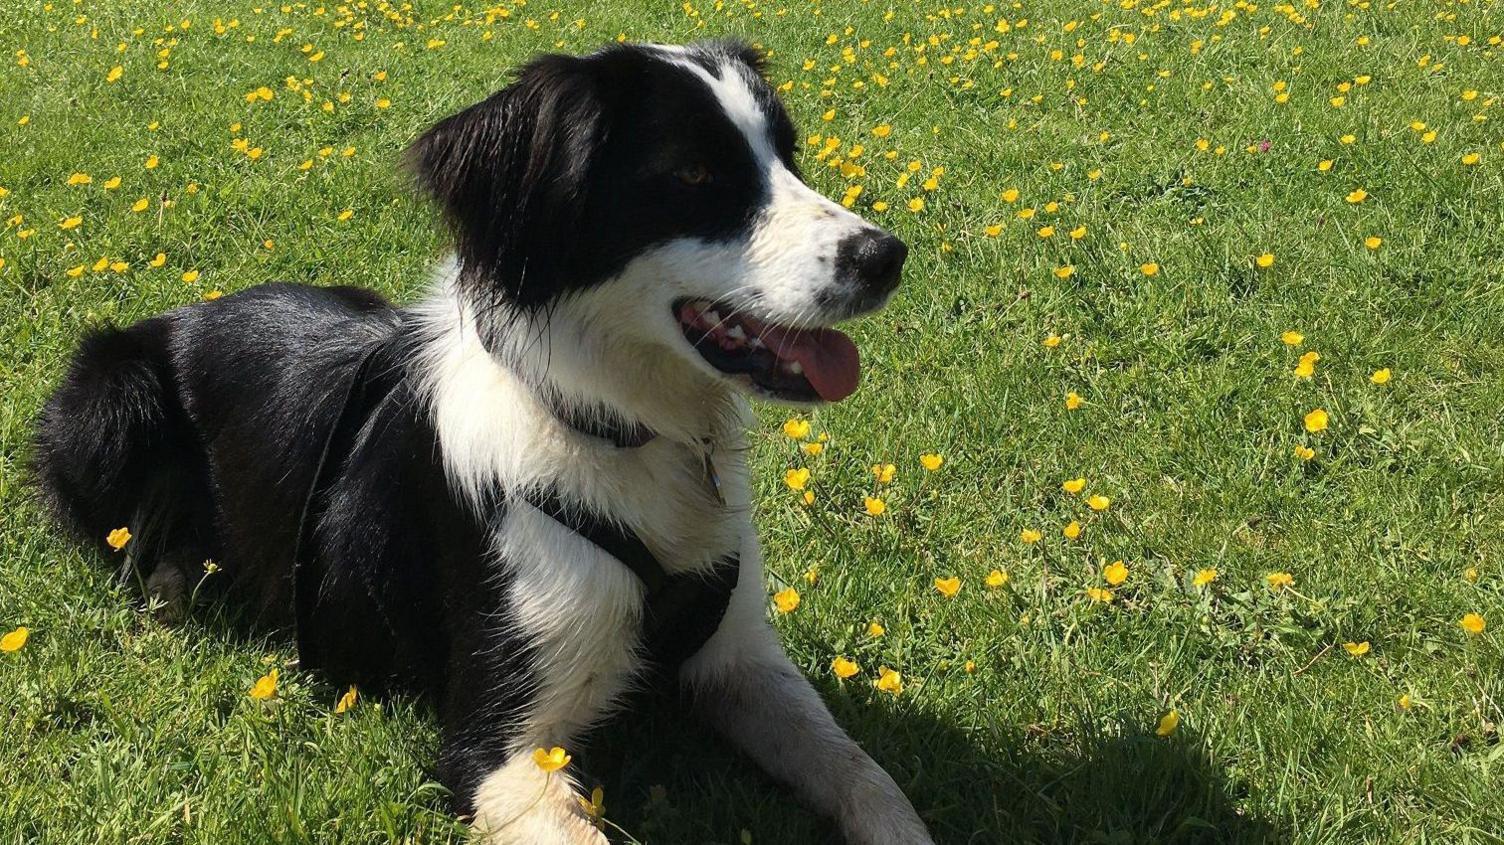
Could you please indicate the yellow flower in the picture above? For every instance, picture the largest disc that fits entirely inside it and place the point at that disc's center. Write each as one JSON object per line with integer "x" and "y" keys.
{"x": 1072, "y": 401}
{"x": 1373, "y": 242}
{"x": 1265, "y": 261}
{"x": 1072, "y": 530}
{"x": 1098, "y": 502}
{"x": 1097, "y": 594}
{"x": 812, "y": 449}
{"x": 916, "y": 204}
{"x": 1149, "y": 268}
{"x": 1316, "y": 421}
{"x": 889, "y": 681}
{"x": 71, "y": 222}
{"x": 151, "y": 162}
{"x": 80, "y": 179}
{"x": 14, "y": 640}
{"x": 157, "y": 260}
{"x": 786, "y": 600}
{"x": 265, "y": 686}
{"x": 969, "y": 666}
{"x": 1051, "y": 341}
{"x": 75, "y": 272}
{"x": 1305, "y": 453}
{"x": 1029, "y": 535}
{"x": 190, "y": 277}
{"x": 1356, "y": 649}
{"x": 844, "y": 668}
{"x": 882, "y": 130}
{"x": 948, "y": 587}
{"x": 1065, "y": 271}
{"x": 796, "y": 479}
{"x": 996, "y": 578}
{"x": 594, "y": 807}
{"x": 1324, "y": 165}
{"x": 1404, "y": 701}
{"x": 993, "y": 230}
{"x": 1279, "y": 580}
{"x": 884, "y": 473}
{"x": 1115, "y": 573}
{"x": 1010, "y": 195}
{"x": 1046, "y": 231}
{"x": 931, "y": 461}
{"x": 1293, "y": 338}
{"x": 1078, "y": 233}
{"x": 551, "y": 760}
{"x": 1307, "y": 366}
{"x": 796, "y": 429}
{"x": 114, "y": 74}
{"x": 1358, "y": 195}
{"x": 1073, "y": 485}
{"x": 1204, "y": 577}
{"x": 344, "y": 215}
{"x": 346, "y": 701}
{"x": 875, "y": 507}
{"x": 1380, "y": 376}
{"x": 118, "y": 538}
{"x": 875, "y": 629}
{"x": 1473, "y": 623}
{"x": 140, "y": 205}
{"x": 1471, "y": 159}
{"x": 1168, "y": 724}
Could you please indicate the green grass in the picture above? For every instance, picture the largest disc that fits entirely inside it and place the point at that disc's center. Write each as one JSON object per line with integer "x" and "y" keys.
{"x": 116, "y": 729}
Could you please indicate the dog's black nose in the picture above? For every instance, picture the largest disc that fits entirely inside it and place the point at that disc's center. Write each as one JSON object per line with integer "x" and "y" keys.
{"x": 872, "y": 259}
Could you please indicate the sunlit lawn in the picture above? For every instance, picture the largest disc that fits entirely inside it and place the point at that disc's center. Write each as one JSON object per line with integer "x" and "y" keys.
{"x": 1203, "y": 222}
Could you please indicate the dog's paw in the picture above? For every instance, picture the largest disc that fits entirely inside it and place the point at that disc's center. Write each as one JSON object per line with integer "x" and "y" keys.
{"x": 538, "y": 828}
{"x": 895, "y": 829}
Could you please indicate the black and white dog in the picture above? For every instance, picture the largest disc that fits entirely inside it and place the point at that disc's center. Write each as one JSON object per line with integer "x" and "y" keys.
{"x": 527, "y": 493}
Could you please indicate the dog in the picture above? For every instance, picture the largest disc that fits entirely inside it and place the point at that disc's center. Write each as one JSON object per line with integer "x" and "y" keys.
{"x": 526, "y": 494}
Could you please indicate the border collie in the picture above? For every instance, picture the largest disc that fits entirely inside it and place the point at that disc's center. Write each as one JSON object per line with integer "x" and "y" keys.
{"x": 527, "y": 494}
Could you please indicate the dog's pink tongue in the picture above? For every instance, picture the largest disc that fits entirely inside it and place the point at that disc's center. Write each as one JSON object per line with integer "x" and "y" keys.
{"x": 829, "y": 358}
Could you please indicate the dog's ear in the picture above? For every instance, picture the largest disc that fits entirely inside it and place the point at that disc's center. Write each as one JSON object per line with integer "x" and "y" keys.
{"x": 511, "y": 172}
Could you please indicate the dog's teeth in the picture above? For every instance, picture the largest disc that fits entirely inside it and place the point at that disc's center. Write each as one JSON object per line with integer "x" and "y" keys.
{"x": 736, "y": 333}
{"x": 795, "y": 368}
{"x": 712, "y": 317}
{"x": 755, "y": 342}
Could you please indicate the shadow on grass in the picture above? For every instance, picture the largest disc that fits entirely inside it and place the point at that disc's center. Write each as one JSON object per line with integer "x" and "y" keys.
{"x": 669, "y": 780}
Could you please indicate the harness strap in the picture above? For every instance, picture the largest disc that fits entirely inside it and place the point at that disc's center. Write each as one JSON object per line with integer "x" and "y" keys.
{"x": 364, "y": 392}
{"x": 681, "y": 611}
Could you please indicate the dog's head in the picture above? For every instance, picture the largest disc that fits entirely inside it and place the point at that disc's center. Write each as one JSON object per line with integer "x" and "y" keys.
{"x": 650, "y": 194}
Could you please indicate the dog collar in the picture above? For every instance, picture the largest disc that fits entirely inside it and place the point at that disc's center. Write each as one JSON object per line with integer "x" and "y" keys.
{"x": 630, "y": 436}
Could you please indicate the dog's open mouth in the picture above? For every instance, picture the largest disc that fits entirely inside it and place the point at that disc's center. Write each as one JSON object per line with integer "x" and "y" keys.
{"x": 800, "y": 365}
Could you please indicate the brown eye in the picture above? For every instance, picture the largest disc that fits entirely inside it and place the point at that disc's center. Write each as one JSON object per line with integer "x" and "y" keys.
{"x": 694, "y": 174}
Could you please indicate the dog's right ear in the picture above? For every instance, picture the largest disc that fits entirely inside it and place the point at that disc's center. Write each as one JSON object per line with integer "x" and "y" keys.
{"x": 511, "y": 173}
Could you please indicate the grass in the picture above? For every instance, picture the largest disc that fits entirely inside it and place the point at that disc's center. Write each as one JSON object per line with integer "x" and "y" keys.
{"x": 119, "y": 730}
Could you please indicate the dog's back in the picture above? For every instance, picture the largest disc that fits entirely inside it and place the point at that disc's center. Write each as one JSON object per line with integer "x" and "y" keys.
{"x": 199, "y": 428}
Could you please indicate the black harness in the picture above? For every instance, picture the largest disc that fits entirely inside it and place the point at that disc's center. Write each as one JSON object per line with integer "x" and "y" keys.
{"x": 681, "y": 611}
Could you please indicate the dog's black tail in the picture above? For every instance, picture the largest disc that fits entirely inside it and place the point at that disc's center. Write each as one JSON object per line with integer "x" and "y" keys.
{"x": 113, "y": 450}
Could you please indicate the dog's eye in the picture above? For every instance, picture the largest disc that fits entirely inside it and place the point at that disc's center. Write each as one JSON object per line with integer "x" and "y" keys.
{"x": 694, "y": 174}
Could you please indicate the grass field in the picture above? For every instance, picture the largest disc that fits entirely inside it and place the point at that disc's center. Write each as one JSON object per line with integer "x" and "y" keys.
{"x": 1130, "y": 203}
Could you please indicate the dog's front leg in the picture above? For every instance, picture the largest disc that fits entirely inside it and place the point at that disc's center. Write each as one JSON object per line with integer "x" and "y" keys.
{"x": 743, "y": 684}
